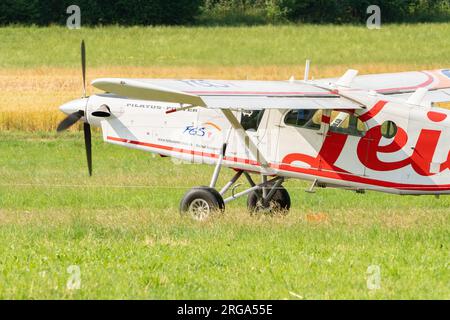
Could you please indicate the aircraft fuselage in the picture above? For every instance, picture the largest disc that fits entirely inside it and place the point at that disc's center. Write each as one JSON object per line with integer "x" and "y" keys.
{"x": 358, "y": 155}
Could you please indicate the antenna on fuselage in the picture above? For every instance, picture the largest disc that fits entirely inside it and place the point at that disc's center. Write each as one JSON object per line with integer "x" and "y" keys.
{"x": 418, "y": 96}
{"x": 347, "y": 79}
{"x": 307, "y": 66}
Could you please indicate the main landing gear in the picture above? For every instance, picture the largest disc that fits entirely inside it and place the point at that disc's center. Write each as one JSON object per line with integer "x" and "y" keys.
{"x": 268, "y": 197}
{"x": 200, "y": 202}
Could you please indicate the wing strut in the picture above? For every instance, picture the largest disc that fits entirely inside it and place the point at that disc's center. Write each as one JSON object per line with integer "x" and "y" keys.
{"x": 241, "y": 133}
{"x": 245, "y": 138}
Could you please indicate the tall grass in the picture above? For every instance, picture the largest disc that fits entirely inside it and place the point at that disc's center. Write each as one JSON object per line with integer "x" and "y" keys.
{"x": 421, "y": 44}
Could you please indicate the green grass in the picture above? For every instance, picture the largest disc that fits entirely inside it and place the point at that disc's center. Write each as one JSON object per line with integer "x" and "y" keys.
{"x": 418, "y": 44}
{"x": 122, "y": 228}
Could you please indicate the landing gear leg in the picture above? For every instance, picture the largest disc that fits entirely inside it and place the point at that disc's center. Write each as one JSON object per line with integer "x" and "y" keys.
{"x": 267, "y": 197}
{"x": 201, "y": 202}
{"x": 277, "y": 200}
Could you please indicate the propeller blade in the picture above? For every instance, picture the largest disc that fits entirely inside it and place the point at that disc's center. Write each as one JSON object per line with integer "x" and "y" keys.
{"x": 88, "y": 144}
{"x": 83, "y": 66}
{"x": 70, "y": 120}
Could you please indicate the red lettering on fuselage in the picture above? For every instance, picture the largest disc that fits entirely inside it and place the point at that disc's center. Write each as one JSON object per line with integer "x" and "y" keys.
{"x": 446, "y": 165}
{"x": 369, "y": 148}
{"x": 328, "y": 154}
{"x": 376, "y": 109}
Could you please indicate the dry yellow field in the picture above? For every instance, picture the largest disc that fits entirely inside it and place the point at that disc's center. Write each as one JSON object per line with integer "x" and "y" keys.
{"x": 31, "y": 96}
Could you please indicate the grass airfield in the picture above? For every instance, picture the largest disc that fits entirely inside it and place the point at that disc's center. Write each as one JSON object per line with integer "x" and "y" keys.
{"x": 122, "y": 228}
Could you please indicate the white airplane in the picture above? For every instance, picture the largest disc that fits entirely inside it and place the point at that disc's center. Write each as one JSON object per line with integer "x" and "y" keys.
{"x": 374, "y": 132}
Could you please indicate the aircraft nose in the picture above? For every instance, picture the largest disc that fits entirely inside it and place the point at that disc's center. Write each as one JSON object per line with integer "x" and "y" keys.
{"x": 74, "y": 106}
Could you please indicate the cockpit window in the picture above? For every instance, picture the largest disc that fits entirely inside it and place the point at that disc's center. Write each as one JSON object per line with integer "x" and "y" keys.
{"x": 342, "y": 122}
{"x": 250, "y": 120}
{"x": 307, "y": 119}
{"x": 389, "y": 129}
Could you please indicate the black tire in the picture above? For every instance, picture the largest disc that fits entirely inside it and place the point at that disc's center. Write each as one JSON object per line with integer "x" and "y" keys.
{"x": 201, "y": 202}
{"x": 280, "y": 202}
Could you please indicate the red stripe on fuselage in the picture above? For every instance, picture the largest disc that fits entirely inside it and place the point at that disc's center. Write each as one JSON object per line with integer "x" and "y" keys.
{"x": 286, "y": 167}
{"x": 185, "y": 151}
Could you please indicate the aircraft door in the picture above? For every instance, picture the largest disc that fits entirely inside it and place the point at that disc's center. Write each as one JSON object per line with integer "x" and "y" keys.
{"x": 385, "y": 148}
{"x": 339, "y": 152}
{"x": 257, "y": 124}
{"x": 300, "y": 138}
{"x": 321, "y": 140}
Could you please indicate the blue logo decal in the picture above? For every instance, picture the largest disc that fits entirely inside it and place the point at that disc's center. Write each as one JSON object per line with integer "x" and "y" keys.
{"x": 446, "y": 73}
{"x": 195, "y": 131}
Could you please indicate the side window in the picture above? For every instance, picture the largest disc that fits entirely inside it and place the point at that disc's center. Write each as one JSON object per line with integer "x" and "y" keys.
{"x": 342, "y": 122}
{"x": 250, "y": 120}
{"x": 389, "y": 129}
{"x": 306, "y": 119}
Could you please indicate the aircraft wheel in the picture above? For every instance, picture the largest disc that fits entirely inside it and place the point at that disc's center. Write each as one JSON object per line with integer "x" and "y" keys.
{"x": 280, "y": 202}
{"x": 201, "y": 202}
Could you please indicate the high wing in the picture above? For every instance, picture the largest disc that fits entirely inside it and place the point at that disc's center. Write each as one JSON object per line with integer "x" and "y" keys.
{"x": 401, "y": 82}
{"x": 233, "y": 94}
{"x": 404, "y": 84}
{"x": 436, "y": 96}
{"x": 256, "y": 95}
